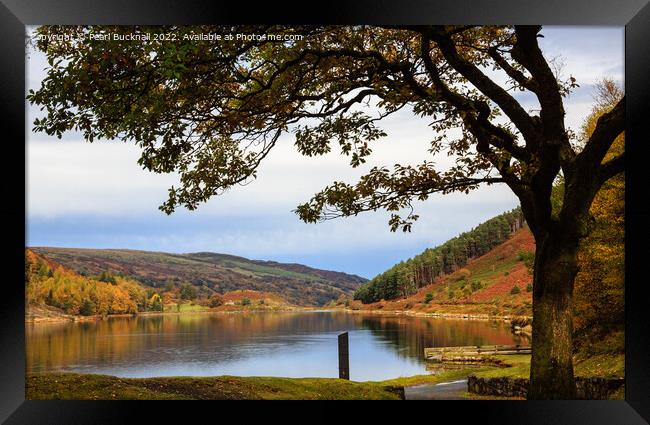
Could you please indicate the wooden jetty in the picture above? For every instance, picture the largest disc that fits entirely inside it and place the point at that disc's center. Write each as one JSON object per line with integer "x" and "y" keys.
{"x": 472, "y": 352}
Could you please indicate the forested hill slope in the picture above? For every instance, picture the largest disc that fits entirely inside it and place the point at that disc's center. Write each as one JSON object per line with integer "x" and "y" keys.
{"x": 498, "y": 283}
{"x": 405, "y": 278}
{"x": 210, "y": 272}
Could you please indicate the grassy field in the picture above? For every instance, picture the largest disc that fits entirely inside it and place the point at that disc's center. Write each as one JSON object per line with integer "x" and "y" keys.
{"x": 518, "y": 367}
{"x": 102, "y": 387}
{"x": 184, "y": 308}
{"x": 604, "y": 365}
{"x": 70, "y": 386}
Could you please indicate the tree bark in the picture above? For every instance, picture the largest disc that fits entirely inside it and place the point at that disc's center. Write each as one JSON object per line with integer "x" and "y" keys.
{"x": 551, "y": 369}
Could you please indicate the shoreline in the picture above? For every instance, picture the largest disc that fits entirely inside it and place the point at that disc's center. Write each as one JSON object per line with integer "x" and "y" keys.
{"x": 62, "y": 318}
{"x": 464, "y": 316}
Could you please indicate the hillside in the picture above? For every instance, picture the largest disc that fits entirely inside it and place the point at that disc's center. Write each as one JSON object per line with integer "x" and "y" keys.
{"x": 56, "y": 293}
{"x": 405, "y": 278}
{"x": 483, "y": 286}
{"x": 209, "y": 272}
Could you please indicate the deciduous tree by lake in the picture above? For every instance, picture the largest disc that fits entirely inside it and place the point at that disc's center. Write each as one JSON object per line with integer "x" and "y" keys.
{"x": 213, "y": 110}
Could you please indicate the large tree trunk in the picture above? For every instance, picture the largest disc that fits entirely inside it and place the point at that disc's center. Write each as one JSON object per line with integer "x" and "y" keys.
{"x": 551, "y": 371}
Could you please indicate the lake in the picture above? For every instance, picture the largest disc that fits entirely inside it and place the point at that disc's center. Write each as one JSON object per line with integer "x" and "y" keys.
{"x": 290, "y": 344}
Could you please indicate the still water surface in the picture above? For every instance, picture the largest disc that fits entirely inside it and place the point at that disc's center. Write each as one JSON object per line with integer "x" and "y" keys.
{"x": 291, "y": 344}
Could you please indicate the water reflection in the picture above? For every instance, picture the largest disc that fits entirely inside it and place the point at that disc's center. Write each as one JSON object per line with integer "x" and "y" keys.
{"x": 294, "y": 344}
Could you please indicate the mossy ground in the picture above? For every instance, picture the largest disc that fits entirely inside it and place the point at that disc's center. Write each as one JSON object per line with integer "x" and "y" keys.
{"x": 102, "y": 387}
{"x": 604, "y": 365}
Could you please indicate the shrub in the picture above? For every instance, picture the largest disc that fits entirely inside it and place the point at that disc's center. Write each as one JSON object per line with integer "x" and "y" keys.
{"x": 529, "y": 287}
{"x": 188, "y": 292}
{"x": 528, "y": 257}
{"x": 428, "y": 298}
{"x": 342, "y": 299}
{"x": 451, "y": 294}
{"x": 215, "y": 300}
{"x": 155, "y": 303}
{"x": 515, "y": 290}
{"x": 476, "y": 285}
{"x": 463, "y": 274}
{"x": 87, "y": 308}
{"x": 506, "y": 273}
{"x": 107, "y": 277}
{"x": 43, "y": 270}
{"x": 245, "y": 301}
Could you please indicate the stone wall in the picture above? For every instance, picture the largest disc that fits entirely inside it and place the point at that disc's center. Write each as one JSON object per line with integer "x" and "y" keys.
{"x": 507, "y": 387}
{"x": 597, "y": 388}
{"x": 586, "y": 388}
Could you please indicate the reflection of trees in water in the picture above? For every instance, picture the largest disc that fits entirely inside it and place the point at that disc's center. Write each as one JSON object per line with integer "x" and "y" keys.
{"x": 222, "y": 337}
{"x": 201, "y": 337}
{"x": 411, "y": 335}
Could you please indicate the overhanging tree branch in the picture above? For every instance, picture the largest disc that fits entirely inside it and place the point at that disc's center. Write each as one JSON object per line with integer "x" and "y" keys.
{"x": 475, "y": 114}
{"x": 608, "y": 127}
{"x": 381, "y": 190}
{"x": 612, "y": 167}
{"x": 526, "y": 51}
{"x": 515, "y": 74}
{"x": 489, "y": 88}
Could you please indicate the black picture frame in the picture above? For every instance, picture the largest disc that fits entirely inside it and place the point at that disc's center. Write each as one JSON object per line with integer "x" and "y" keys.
{"x": 16, "y": 14}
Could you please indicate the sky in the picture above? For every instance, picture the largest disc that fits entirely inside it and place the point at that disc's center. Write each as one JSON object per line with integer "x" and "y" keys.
{"x": 96, "y": 195}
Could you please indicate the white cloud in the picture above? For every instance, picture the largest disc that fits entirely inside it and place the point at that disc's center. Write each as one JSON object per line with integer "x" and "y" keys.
{"x": 71, "y": 176}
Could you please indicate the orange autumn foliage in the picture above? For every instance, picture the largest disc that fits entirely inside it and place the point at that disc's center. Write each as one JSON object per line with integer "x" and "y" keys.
{"x": 47, "y": 283}
{"x": 600, "y": 283}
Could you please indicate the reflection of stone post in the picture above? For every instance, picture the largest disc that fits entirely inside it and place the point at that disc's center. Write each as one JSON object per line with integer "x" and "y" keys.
{"x": 344, "y": 357}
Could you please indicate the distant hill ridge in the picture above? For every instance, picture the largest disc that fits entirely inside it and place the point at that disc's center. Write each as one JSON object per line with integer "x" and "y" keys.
{"x": 297, "y": 283}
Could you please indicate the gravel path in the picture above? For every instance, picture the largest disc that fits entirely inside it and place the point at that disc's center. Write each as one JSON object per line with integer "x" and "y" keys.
{"x": 442, "y": 391}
